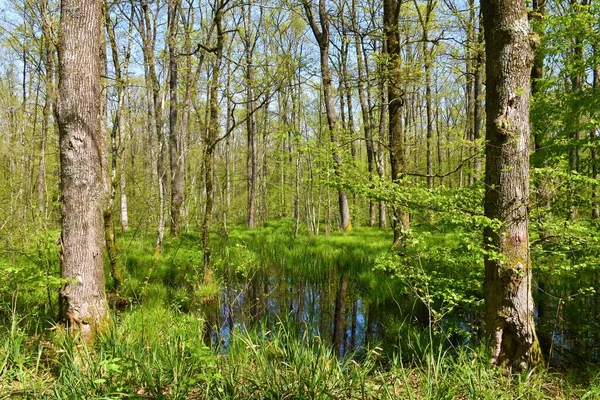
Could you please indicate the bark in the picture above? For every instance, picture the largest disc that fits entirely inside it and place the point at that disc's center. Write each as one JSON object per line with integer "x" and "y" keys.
{"x": 391, "y": 11}
{"x": 322, "y": 36}
{"x": 507, "y": 286}
{"x": 82, "y": 299}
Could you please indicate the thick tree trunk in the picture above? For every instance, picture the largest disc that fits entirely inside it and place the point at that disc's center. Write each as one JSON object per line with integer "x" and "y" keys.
{"x": 83, "y": 300}
{"x": 391, "y": 10}
{"x": 509, "y": 305}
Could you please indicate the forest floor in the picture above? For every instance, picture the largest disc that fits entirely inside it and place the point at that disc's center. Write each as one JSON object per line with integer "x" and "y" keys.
{"x": 156, "y": 343}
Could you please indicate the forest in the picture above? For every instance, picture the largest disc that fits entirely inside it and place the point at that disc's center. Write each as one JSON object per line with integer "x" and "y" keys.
{"x": 299, "y": 199}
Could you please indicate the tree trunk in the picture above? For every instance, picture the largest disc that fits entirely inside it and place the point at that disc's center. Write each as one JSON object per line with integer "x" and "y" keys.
{"x": 322, "y": 36}
{"x": 116, "y": 132}
{"x": 367, "y": 115}
{"x": 537, "y": 70}
{"x": 48, "y": 56}
{"x": 477, "y": 90}
{"x": 175, "y": 133}
{"x": 211, "y": 141}
{"x": 594, "y": 147}
{"x": 381, "y": 145}
{"x": 507, "y": 286}
{"x": 252, "y": 154}
{"x": 148, "y": 32}
{"x": 82, "y": 299}
{"x": 391, "y": 11}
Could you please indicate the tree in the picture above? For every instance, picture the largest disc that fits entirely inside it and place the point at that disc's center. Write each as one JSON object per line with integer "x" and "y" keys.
{"x": 391, "y": 13}
{"x": 83, "y": 301}
{"x": 147, "y": 27}
{"x": 250, "y": 39}
{"x": 322, "y": 36}
{"x": 177, "y": 156}
{"x": 507, "y": 286}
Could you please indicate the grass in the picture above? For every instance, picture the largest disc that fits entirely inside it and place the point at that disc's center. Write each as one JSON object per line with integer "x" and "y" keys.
{"x": 154, "y": 346}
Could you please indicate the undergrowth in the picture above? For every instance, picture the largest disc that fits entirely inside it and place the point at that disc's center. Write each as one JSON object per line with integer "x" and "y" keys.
{"x": 155, "y": 346}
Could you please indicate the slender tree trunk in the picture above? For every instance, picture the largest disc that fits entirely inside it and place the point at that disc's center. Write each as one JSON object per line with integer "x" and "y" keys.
{"x": 175, "y": 133}
{"x": 427, "y": 62}
{"x": 252, "y": 154}
{"x": 148, "y": 28}
{"x": 477, "y": 90}
{"x": 322, "y": 36}
{"x": 116, "y": 132}
{"x": 82, "y": 298}
{"x": 594, "y": 147}
{"x": 577, "y": 80}
{"x": 383, "y": 125}
{"x": 367, "y": 115}
{"x": 211, "y": 140}
{"x": 48, "y": 56}
{"x": 507, "y": 286}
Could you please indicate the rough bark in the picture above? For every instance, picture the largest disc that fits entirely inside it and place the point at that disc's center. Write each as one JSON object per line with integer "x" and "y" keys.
{"x": 82, "y": 299}
{"x": 507, "y": 286}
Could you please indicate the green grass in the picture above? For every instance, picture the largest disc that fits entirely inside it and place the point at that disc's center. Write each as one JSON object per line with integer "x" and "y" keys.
{"x": 154, "y": 345}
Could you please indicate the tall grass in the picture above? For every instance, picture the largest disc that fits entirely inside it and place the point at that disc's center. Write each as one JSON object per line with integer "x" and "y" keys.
{"x": 154, "y": 347}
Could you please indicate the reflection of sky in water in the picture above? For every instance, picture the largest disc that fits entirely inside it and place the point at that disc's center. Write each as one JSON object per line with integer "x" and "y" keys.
{"x": 284, "y": 304}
